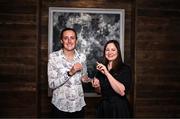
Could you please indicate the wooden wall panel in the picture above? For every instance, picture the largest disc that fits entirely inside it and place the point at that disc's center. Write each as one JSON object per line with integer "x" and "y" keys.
{"x": 151, "y": 48}
{"x": 18, "y": 52}
{"x": 16, "y": 104}
{"x": 159, "y": 4}
{"x": 157, "y": 60}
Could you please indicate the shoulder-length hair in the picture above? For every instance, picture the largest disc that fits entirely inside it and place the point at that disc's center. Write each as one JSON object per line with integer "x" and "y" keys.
{"x": 118, "y": 61}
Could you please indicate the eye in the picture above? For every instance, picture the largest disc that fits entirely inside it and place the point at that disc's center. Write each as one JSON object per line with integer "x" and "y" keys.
{"x": 73, "y": 37}
{"x": 113, "y": 49}
{"x": 107, "y": 50}
{"x": 65, "y": 38}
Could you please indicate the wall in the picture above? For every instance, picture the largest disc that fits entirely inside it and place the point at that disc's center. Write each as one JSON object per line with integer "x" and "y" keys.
{"x": 151, "y": 48}
{"x": 157, "y": 60}
{"x": 18, "y": 58}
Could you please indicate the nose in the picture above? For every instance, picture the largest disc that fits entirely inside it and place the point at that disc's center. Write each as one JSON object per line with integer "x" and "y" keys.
{"x": 69, "y": 40}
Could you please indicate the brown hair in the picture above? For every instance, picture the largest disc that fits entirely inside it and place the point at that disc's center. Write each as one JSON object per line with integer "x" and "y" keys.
{"x": 118, "y": 61}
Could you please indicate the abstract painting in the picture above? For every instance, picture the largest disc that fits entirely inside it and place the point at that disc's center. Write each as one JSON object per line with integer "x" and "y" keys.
{"x": 94, "y": 28}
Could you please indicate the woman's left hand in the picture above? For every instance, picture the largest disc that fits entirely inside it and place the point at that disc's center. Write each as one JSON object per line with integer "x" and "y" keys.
{"x": 95, "y": 83}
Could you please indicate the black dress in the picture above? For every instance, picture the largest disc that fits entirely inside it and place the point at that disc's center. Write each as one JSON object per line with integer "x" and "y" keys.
{"x": 112, "y": 104}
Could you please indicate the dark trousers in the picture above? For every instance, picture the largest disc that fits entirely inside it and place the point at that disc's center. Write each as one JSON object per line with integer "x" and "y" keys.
{"x": 56, "y": 113}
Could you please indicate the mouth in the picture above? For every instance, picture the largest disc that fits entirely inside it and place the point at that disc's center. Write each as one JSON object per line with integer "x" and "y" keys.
{"x": 69, "y": 45}
{"x": 110, "y": 56}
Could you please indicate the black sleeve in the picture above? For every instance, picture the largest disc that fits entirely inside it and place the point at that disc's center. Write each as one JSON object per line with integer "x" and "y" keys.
{"x": 125, "y": 77}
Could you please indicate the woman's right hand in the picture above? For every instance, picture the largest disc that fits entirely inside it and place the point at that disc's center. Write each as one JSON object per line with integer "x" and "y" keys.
{"x": 102, "y": 68}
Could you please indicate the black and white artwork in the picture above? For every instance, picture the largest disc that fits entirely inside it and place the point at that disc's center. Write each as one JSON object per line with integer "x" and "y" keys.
{"x": 94, "y": 28}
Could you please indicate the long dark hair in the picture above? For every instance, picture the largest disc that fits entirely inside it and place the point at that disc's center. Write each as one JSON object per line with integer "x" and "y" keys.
{"x": 118, "y": 61}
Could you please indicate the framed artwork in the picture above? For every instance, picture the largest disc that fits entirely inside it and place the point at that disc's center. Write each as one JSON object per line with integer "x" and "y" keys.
{"x": 94, "y": 28}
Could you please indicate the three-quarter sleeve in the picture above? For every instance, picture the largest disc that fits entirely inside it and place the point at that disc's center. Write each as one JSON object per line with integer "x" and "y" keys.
{"x": 125, "y": 77}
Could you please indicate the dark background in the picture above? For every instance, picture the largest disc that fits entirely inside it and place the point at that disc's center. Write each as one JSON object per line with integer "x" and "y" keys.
{"x": 152, "y": 29}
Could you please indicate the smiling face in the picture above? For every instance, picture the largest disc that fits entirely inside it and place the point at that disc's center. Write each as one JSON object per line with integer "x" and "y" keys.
{"x": 69, "y": 40}
{"x": 111, "y": 52}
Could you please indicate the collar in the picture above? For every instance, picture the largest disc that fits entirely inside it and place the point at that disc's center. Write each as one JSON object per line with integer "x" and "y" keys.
{"x": 76, "y": 55}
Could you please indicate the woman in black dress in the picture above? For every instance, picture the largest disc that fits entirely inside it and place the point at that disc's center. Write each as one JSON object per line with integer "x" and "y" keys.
{"x": 112, "y": 81}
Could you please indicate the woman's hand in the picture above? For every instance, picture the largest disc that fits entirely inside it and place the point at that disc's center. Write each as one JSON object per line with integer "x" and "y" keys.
{"x": 95, "y": 83}
{"x": 86, "y": 79}
{"x": 101, "y": 67}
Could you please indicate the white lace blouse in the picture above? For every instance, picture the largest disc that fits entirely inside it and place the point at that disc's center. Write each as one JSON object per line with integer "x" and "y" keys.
{"x": 68, "y": 93}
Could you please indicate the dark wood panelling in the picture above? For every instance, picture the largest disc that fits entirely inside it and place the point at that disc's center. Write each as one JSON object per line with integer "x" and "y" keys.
{"x": 18, "y": 58}
{"x": 18, "y": 7}
{"x": 159, "y": 4}
{"x": 17, "y": 103}
{"x": 151, "y": 48}
{"x": 157, "y": 59}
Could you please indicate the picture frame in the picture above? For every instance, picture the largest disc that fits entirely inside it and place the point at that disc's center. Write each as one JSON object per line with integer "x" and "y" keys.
{"x": 94, "y": 27}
